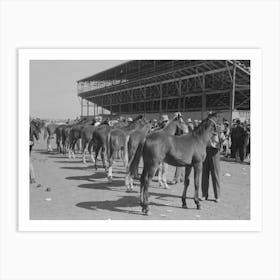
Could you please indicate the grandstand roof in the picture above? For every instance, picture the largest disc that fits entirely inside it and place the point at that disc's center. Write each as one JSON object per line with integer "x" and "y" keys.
{"x": 142, "y": 72}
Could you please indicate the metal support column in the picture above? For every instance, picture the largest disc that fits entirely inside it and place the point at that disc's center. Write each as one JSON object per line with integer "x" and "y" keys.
{"x": 87, "y": 108}
{"x": 160, "y": 102}
{"x": 232, "y": 94}
{"x": 82, "y": 105}
{"x": 144, "y": 101}
{"x": 111, "y": 104}
{"x": 203, "y": 109}
{"x": 180, "y": 96}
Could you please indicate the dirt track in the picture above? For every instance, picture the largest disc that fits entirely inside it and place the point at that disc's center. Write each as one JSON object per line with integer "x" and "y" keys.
{"x": 72, "y": 190}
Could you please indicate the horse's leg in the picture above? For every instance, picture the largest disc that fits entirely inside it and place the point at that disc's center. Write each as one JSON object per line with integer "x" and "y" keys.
{"x": 103, "y": 151}
{"x": 110, "y": 170}
{"x": 90, "y": 150}
{"x": 128, "y": 180}
{"x": 70, "y": 149}
{"x": 84, "y": 150}
{"x": 110, "y": 163}
{"x": 146, "y": 178}
{"x": 49, "y": 144}
{"x": 142, "y": 181}
{"x": 197, "y": 172}
{"x": 60, "y": 146}
{"x": 96, "y": 155}
{"x": 160, "y": 174}
{"x": 164, "y": 171}
{"x": 188, "y": 170}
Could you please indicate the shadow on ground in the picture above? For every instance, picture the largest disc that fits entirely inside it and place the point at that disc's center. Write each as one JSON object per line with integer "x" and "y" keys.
{"x": 231, "y": 160}
{"x": 115, "y": 205}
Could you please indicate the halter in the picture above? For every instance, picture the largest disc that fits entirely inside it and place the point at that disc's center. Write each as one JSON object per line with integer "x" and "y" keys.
{"x": 213, "y": 122}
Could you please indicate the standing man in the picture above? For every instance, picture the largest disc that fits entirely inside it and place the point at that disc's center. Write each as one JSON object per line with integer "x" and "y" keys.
{"x": 226, "y": 133}
{"x": 190, "y": 125}
{"x": 237, "y": 141}
{"x": 212, "y": 165}
{"x": 32, "y": 133}
{"x": 196, "y": 123}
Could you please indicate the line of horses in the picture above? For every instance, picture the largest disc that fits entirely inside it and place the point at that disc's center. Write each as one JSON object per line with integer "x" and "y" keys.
{"x": 135, "y": 140}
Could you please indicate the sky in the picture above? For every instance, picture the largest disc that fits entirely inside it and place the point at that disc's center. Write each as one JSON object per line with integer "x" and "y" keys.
{"x": 53, "y": 92}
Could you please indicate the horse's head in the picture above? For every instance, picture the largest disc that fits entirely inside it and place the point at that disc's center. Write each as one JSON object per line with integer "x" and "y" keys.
{"x": 149, "y": 126}
{"x": 208, "y": 129}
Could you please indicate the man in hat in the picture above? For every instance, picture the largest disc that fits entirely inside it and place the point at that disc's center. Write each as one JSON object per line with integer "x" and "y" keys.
{"x": 226, "y": 133}
{"x": 177, "y": 115}
{"x": 179, "y": 171}
{"x": 163, "y": 121}
{"x": 211, "y": 165}
{"x": 32, "y": 133}
{"x": 237, "y": 140}
{"x": 190, "y": 124}
{"x": 196, "y": 123}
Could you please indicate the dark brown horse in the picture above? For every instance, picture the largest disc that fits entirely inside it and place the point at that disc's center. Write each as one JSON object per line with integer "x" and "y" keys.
{"x": 187, "y": 150}
{"x": 65, "y": 138}
{"x": 59, "y": 135}
{"x": 99, "y": 142}
{"x": 135, "y": 145}
{"x": 87, "y": 135}
{"x": 76, "y": 134}
{"x": 49, "y": 134}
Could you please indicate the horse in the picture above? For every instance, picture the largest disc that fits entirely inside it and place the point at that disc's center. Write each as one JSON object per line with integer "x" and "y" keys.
{"x": 59, "y": 137}
{"x": 38, "y": 124}
{"x": 99, "y": 142}
{"x": 117, "y": 139}
{"x": 87, "y": 135}
{"x": 75, "y": 134}
{"x": 49, "y": 132}
{"x": 188, "y": 150}
{"x": 65, "y": 138}
{"x": 135, "y": 145}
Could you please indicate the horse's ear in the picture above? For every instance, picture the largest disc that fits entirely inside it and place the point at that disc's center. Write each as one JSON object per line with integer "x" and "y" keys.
{"x": 213, "y": 115}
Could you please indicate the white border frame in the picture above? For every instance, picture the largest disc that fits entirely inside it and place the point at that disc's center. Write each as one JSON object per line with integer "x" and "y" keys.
{"x": 25, "y": 224}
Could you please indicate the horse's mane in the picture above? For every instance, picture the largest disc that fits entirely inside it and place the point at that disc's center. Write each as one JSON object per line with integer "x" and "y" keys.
{"x": 204, "y": 125}
{"x": 105, "y": 122}
{"x": 138, "y": 118}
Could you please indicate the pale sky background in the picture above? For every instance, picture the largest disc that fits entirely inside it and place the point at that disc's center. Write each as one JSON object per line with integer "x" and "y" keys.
{"x": 53, "y": 92}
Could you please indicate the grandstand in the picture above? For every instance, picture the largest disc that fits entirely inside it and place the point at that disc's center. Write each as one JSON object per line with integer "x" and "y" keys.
{"x": 153, "y": 87}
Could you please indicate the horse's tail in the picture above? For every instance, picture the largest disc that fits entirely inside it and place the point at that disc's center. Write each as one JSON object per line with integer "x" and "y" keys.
{"x": 45, "y": 132}
{"x": 108, "y": 145}
{"x": 134, "y": 161}
{"x": 125, "y": 156}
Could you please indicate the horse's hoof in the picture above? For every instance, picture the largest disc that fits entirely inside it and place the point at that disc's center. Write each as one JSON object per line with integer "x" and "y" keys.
{"x": 148, "y": 213}
{"x": 198, "y": 207}
{"x": 110, "y": 180}
{"x": 185, "y": 206}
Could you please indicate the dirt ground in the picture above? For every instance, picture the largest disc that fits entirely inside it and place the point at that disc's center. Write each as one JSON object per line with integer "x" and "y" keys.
{"x": 71, "y": 190}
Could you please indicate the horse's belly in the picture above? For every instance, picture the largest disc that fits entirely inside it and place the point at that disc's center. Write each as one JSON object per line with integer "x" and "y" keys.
{"x": 176, "y": 161}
